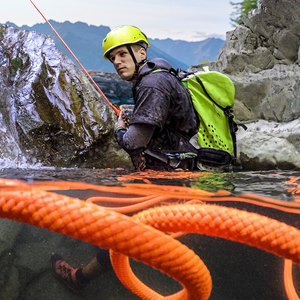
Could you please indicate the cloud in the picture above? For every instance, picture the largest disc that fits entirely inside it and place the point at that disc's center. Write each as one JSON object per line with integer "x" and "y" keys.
{"x": 199, "y": 36}
{"x": 192, "y": 36}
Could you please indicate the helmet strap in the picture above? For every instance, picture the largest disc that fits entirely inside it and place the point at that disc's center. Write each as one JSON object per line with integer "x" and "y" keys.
{"x": 136, "y": 64}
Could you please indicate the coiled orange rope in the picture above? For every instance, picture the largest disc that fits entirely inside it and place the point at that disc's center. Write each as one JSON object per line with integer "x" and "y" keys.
{"x": 142, "y": 236}
{"x": 288, "y": 280}
{"x": 107, "y": 229}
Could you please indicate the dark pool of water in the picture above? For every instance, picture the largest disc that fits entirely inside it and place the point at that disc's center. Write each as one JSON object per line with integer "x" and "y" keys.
{"x": 238, "y": 271}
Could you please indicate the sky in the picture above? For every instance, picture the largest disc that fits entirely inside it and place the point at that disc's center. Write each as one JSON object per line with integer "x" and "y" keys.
{"x": 190, "y": 20}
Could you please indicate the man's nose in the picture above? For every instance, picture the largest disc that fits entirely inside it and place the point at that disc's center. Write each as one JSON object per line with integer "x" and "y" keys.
{"x": 117, "y": 60}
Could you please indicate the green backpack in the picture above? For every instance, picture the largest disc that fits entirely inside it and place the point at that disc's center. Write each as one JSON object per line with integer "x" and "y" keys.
{"x": 213, "y": 95}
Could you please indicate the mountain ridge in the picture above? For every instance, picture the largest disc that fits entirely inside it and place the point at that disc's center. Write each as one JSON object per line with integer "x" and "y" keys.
{"x": 85, "y": 42}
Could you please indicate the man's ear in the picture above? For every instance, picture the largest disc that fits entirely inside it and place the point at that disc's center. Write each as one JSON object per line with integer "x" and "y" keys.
{"x": 143, "y": 53}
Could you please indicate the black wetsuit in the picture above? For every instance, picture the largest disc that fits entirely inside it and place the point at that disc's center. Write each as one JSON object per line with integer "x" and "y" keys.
{"x": 163, "y": 119}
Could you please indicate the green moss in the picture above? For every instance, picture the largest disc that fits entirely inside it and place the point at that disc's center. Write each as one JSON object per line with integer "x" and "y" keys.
{"x": 43, "y": 106}
{"x": 55, "y": 116}
{"x": 76, "y": 103}
{"x": 62, "y": 80}
{"x": 2, "y": 31}
{"x": 76, "y": 100}
{"x": 15, "y": 65}
{"x": 44, "y": 75}
{"x": 212, "y": 182}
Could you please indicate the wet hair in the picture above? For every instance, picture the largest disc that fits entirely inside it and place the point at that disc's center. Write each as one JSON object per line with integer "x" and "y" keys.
{"x": 139, "y": 45}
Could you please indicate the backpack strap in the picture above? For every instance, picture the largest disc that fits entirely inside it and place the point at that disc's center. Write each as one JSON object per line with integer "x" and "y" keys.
{"x": 208, "y": 95}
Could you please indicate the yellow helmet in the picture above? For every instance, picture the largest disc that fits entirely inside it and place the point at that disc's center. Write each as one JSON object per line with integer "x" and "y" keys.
{"x": 122, "y": 35}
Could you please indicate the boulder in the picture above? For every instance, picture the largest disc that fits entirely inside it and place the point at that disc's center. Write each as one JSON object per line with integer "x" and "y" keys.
{"x": 268, "y": 145}
{"x": 261, "y": 56}
{"x": 50, "y": 109}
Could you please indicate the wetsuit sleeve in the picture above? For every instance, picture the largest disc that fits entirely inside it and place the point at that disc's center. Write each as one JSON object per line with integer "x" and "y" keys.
{"x": 151, "y": 107}
{"x": 136, "y": 137}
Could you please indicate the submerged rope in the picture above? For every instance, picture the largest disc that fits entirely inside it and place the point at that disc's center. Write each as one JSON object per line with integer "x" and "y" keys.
{"x": 142, "y": 236}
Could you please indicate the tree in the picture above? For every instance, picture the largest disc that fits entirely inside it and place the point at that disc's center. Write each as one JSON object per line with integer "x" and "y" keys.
{"x": 241, "y": 9}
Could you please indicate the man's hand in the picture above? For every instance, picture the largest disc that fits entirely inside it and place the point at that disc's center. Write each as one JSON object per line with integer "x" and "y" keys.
{"x": 120, "y": 122}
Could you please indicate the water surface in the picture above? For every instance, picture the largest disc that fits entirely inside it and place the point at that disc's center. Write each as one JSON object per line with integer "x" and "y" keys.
{"x": 238, "y": 271}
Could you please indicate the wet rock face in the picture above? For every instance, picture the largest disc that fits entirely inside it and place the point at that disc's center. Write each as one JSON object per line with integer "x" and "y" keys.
{"x": 272, "y": 94}
{"x": 267, "y": 36}
{"x": 50, "y": 108}
{"x": 262, "y": 57}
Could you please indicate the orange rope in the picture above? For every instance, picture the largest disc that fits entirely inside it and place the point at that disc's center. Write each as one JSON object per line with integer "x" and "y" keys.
{"x": 290, "y": 207}
{"x": 109, "y": 230}
{"x": 229, "y": 223}
{"x": 296, "y": 189}
{"x": 131, "y": 200}
{"x": 249, "y": 228}
{"x": 127, "y": 236}
{"x": 159, "y": 174}
{"x": 288, "y": 281}
{"x": 138, "y": 206}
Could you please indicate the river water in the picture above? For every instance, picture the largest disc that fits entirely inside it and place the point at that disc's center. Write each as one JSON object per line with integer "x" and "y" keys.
{"x": 238, "y": 271}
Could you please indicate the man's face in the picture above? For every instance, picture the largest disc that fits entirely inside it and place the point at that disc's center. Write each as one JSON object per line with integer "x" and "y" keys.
{"x": 123, "y": 62}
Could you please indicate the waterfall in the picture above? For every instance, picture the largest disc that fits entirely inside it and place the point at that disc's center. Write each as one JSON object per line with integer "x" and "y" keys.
{"x": 11, "y": 155}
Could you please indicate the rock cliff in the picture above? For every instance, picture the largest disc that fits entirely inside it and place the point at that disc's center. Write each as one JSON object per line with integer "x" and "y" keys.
{"x": 50, "y": 113}
{"x": 262, "y": 57}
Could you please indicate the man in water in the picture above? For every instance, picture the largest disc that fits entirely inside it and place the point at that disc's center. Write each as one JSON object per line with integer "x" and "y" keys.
{"x": 163, "y": 119}
{"x": 158, "y": 134}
